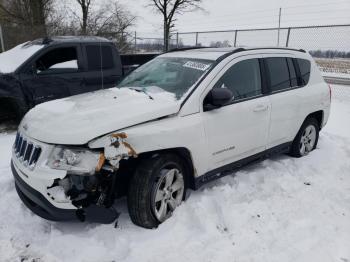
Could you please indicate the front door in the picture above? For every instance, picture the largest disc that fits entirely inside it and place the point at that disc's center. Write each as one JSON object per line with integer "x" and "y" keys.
{"x": 239, "y": 129}
{"x": 54, "y": 74}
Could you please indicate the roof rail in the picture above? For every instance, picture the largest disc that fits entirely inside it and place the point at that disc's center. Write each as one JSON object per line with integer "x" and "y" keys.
{"x": 240, "y": 49}
{"x": 46, "y": 40}
{"x": 278, "y": 48}
{"x": 186, "y": 48}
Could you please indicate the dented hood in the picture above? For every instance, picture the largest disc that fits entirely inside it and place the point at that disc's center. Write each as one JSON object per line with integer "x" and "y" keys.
{"x": 77, "y": 120}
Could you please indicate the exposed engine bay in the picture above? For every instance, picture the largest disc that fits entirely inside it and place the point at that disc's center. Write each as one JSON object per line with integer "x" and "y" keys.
{"x": 87, "y": 193}
{"x": 91, "y": 180}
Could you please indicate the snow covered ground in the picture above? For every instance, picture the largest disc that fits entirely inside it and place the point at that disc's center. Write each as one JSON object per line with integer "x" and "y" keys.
{"x": 282, "y": 209}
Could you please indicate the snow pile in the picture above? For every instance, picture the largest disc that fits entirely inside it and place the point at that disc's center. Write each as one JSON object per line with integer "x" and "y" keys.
{"x": 282, "y": 209}
{"x": 15, "y": 57}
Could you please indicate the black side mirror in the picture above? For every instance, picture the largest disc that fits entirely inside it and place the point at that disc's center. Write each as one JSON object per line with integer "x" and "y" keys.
{"x": 32, "y": 70}
{"x": 217, "y": 97}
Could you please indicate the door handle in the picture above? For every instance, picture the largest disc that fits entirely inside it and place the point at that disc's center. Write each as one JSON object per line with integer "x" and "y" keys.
{"x": 260, "y": 108}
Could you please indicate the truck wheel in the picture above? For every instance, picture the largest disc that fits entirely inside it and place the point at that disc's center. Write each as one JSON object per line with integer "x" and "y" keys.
{"x": 157, "y": 187}
{"x": 306, "y": 139}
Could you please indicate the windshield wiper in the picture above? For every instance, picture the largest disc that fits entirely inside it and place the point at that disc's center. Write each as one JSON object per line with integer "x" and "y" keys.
{"x": 141, "y": 90}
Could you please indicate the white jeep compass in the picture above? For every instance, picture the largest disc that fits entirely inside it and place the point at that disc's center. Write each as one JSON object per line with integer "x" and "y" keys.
{"x": 183, "y": 119}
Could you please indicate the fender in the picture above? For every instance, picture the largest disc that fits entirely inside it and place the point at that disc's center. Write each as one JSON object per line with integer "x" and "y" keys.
{"x": 168, "y": 133}
{"x": 10, "y": 87}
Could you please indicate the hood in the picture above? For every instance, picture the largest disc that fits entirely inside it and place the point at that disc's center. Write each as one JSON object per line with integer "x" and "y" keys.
{"x": 78, "y": 119}
{"x": 15, "y": 57}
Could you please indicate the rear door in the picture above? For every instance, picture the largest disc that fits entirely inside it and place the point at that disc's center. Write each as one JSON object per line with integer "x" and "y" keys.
{"x": 240, "y": 128}
{"x": 285, "y": 98}
{"x": 54, "y": 73}
{"x": 103, "y": 63}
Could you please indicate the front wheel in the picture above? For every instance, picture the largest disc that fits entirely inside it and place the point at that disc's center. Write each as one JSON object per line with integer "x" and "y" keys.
{"x": 156, "y": 189}
{"x": 306, "y": 139}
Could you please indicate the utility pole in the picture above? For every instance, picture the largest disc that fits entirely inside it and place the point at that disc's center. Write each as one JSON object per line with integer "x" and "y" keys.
{"x": 135, "y": 42}
{"x": 2, "y": 40}
{"x": 279, "y": 27}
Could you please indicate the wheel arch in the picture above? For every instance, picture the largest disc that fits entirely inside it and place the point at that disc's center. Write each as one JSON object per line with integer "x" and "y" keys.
{"x": 182, "y": 152}
{"x": 318, "y": 115}
{"x": 127, "y": 167}
{"x": 12, "y": 107}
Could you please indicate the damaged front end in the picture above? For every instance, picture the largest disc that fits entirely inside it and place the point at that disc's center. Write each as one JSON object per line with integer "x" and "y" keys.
{"x": 90, "y": 183}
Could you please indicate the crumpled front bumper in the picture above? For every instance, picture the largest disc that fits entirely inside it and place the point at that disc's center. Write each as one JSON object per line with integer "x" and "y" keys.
{"x": 39, "y": 205}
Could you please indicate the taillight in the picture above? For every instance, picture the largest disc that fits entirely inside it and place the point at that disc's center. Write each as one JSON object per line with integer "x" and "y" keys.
{"x": 330, "y": 93}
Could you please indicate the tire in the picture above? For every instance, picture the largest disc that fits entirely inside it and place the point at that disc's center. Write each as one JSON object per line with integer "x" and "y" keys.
{"x": 306, "y": 139}
{"x": 151, "y": 189}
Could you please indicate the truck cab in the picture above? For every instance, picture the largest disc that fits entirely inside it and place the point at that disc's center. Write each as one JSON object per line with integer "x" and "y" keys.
{"x": 57, "y": 67}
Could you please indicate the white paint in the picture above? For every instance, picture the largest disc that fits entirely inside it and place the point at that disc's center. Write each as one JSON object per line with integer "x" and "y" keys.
{"x": 237, "y": 130}
{"x": 79, "y": 119}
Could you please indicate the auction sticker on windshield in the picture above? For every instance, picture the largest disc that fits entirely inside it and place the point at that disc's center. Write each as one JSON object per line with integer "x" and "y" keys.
{"x": 196, "y": 65}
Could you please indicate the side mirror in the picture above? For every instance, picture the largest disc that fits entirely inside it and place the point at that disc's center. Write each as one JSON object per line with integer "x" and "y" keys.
{"x": 217, "y": 97}
{"x": 32, "y": 70}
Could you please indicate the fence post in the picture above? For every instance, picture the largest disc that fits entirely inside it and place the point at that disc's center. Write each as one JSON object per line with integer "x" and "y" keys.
{"x": 197, "y": 39}
{"x": 2, "y": 40}
{"x": 135, "y": 41}
{"x": 288, "y": 34}
{"x": 177, "y": 39}
{"x": 235, "y": 43}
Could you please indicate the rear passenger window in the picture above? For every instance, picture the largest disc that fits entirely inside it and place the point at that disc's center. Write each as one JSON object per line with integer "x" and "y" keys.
{"x": 279, "y": 73}
{"x": 304, "y": 67}
{"x": 243, "y": 79}
{"x": 292, "y": 73}
{"x": 97, "y": 54}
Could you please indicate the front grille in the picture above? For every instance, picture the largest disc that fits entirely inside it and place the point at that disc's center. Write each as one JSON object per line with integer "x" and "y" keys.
{"x": 26, "y": 151}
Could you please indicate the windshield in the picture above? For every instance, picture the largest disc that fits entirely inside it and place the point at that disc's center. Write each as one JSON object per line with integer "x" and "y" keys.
{"x": 174, "y": 75}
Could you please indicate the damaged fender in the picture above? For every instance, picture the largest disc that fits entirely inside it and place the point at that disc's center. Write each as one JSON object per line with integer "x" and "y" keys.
{"x": 115, "y": 147}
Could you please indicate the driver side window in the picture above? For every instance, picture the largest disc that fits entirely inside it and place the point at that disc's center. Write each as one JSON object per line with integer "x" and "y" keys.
{"x": 243, "y": 79}
{"x": 59, "y": 60}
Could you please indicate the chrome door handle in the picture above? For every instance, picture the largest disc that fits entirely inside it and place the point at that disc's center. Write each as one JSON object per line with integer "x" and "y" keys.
{"x": 260, "y": 108}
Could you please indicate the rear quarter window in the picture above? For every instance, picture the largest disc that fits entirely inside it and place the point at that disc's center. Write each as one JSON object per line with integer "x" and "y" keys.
{"x": 305, "y": 68}
{"x": 278, "y": 73}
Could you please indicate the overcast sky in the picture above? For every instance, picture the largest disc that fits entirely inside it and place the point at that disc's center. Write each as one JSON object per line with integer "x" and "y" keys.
{"x": 230, "y": 14}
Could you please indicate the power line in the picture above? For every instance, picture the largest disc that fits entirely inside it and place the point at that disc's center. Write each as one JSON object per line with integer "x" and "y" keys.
{"x": 283, "y": 8}
{"x": 210, "y": 21}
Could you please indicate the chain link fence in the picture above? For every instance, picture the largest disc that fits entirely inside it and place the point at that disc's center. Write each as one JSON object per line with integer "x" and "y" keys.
{"x": 329, "y": 44}
{"x": 126, "y": 42}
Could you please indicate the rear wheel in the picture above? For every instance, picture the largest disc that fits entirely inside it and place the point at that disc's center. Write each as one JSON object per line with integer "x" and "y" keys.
{"x": 306, "y": 139}
{"x": 157, "y": 188}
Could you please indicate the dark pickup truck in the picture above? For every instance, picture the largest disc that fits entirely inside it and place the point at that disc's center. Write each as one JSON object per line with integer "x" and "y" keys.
{"x": 52, "y": 68}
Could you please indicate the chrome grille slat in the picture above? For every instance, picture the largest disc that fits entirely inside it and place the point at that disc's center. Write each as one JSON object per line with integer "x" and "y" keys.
{"x": 26, "y": 151}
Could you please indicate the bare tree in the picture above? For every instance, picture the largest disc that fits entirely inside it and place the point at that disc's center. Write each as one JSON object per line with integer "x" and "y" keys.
{"x": 25, "y": 12}
{"x": 24, "y": 20}
{"x": 169, "y": 9}
{"x": 85, "y": 9}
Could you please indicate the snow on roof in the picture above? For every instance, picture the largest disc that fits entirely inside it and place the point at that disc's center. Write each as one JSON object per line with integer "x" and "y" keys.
{"x": 15, "y": 57}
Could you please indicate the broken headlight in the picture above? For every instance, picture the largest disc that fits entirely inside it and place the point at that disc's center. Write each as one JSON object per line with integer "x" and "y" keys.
{"x": 76, "y": 161}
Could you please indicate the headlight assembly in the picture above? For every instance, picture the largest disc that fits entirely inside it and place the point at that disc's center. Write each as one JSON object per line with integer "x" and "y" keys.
{"x": 76, "y": 161}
